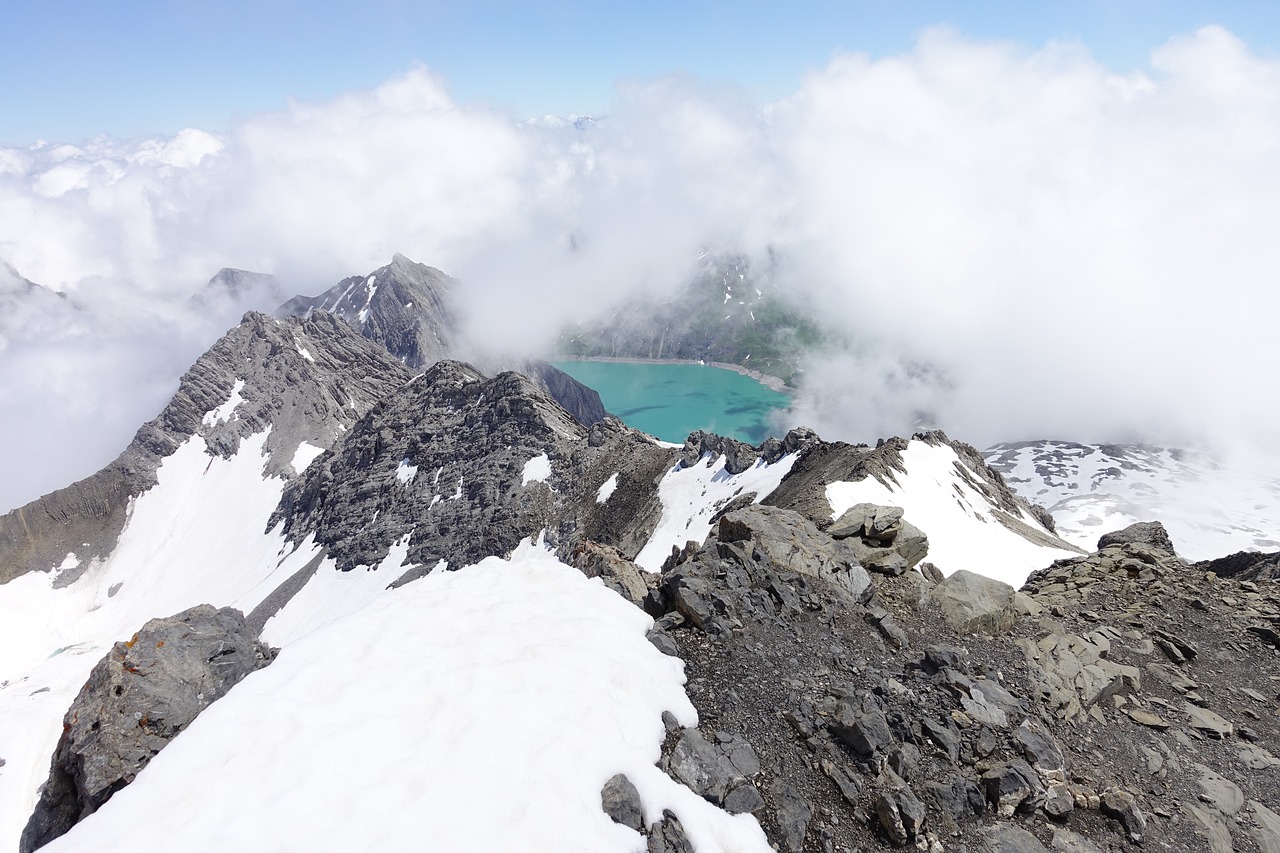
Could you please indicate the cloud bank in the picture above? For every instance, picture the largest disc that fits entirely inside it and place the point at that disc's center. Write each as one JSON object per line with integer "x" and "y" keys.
{"x": 1016, "y": 243}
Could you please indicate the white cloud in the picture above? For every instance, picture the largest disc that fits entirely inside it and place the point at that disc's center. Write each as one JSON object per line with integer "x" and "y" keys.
{"x": 1079, "y": 254}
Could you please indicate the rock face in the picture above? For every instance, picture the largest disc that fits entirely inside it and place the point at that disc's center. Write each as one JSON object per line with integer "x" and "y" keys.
{"x": 466, "y": 467}
{"x": 307, "y": 379}
{"x": 137, "y": 699}
{"x": 405, "y": 306}
{"x": 409, "y": 308}
{"x": 1119, "y": 697}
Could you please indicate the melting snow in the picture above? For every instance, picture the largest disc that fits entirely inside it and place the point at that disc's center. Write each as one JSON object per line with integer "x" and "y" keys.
{"x": 406, "y": 472}
{"x": 963, "y": 530}
{"x": 305, "y": 455}
{"x": 536, "y": 470}
{"x": 303, "y": 351}
{"x": 691, "y": 496}
{"x": 606, "y": 490}
{"x": 482, "y": 709}
{"x": 226, "y": 411}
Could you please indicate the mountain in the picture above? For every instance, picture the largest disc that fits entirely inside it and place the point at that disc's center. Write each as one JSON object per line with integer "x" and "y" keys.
{"x": 325, "y": 601}
{"x": 1209, "y": 508}
{"x": 729, "y": 312}
{"x": 232, "y": 292}
{"x": 29, "y": 310}
{"x": 409, "y": 308}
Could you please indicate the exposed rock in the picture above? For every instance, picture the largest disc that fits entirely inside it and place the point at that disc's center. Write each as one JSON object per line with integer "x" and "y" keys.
{"x": 1121, "y": 806}
{"x": 1012, "y": 839}
{"x": 137, "y": 699}
{"x": 1146, "y": 534}
{"x": 621, "y": 802}
{"x": 667, "y": 835}
{"x": 790, "y": 543}
{"x": 311, "y": 398}
{"x": 971, "y": 603}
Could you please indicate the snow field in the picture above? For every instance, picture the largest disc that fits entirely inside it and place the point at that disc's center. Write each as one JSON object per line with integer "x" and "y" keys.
{"x": 196, "y": 537}
{"x": 961, "y": 524}
{"x": 607, "y": 488}
{"x": 478, "y": 710}
{"x": 691, "y": 496}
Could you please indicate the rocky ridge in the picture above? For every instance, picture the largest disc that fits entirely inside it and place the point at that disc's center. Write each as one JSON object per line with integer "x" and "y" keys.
{"x": 137, "y": 699}
{"x": 306, "y": 379}
{"x": 1121, "y": 698}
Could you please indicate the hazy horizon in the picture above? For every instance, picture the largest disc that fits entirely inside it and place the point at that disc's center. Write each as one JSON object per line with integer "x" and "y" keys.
{"x": 1017, "y": 238}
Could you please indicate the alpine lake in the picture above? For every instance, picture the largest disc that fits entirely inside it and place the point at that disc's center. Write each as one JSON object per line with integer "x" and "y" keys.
{"x": 669, "y": 401}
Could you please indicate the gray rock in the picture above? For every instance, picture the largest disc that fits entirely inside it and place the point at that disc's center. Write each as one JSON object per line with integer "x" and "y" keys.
{"x": 877, "y": 523}
{"x": 866, "y": 733}
{"x": 667, "y": 835}
{"x": 704, "y": 768}
{"x": 793, "y": 815}
{"x": 621, "y": 802}
{"x": 1215, "y": 788}
{"x": 1072, "y": 842}
{"x": 891, "y": 819}
{"x": 1211, "y": 827}
{"x": 1040, "y": 749}
{"x": 1207, "y": 721}
{"x": 663, "y": 642}
{"x": 971, "y": 603}
{"x": 137, "y": 699}
{"x": 1266, "y": 827}
{"x": 1011, "y": 839}
{"x": 1122, "y": 806}
{"x": 1012, "y": 786}
{"x": 957, "y": 796}
{"x": 743, "y": 800}
{"x": 912, "y": 543}
{"x": 791, "y": 543}
{"x": 1148, "y": 534}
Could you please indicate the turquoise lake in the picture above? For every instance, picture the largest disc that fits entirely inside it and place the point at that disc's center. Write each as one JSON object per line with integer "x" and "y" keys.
{"x": 669, "y": 401}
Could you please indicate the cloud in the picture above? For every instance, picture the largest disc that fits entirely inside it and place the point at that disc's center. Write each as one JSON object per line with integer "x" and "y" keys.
{"x": 1013, "y": 243}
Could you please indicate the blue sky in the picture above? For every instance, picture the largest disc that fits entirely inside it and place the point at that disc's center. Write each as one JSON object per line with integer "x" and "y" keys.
{"x": 72, "y": 69}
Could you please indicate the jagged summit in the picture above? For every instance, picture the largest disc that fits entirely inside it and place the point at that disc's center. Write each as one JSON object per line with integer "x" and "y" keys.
{"x": 411, "y": 310}
{"x": 405, "y": 306}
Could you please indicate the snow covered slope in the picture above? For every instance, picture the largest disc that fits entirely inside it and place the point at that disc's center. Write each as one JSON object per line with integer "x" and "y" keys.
{"x": 1209, "y": 509}
{"x": 482, "y": 709}
{"x": 945, "y": 498}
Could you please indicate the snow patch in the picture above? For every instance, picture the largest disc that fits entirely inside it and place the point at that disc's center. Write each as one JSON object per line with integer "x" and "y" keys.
{"x": 536, "y": 470}
{"x": 226, "y": 411}
{"x": 303, "y": 351}
{"x": 406, "y": 472}
{"x": 606, "y": 490}
{"x": 963, "y": 530}
{"x": 691, "y": 496}
{"x": 304, "y": 456}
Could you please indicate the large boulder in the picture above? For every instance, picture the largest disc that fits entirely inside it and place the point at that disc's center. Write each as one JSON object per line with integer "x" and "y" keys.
{"x": 137, "y": 699}
{"x": 972, "y": 604}
{"x": 1147, "y": 534}
{"x": 790, "y": 542}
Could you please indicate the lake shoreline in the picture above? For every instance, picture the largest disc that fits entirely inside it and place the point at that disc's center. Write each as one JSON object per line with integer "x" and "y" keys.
{"x": 773, "y": 383}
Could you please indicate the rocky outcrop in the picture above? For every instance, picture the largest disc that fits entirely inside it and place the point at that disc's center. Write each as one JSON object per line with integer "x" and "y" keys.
{"x": 308, "y": 380}
{"x": 137, "y": 699}
{"x": 1119, "y": 697}
{"x": 466, "y": 467}
{"x": 885, "y": 541}
{"x": 405, "y": 306}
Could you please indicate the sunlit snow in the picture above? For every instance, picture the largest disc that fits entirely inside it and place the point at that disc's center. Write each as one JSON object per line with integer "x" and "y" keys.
{"x": 536, "y": 470}
{"x": 226, "y": 411}
{"x": 406, "y": 472}
{"x": 305, "y": 455}
{"x": 196, "y": 537}
{"x": 479, "y": 710}
{"x": 963, "y": 530}
{"x": 691, "y": 496}
{"x": 607, "y": 488}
